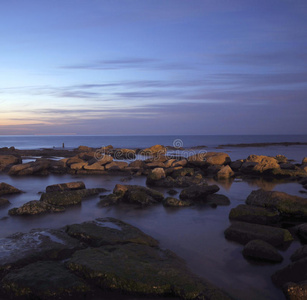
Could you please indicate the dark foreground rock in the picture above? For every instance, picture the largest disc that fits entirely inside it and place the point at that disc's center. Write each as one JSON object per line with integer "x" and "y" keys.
{"x": 287, "y": 205}
{"x": 6, "y": 189}
{"x": 243, "y": 233}
{"x": 108, "y": 231}
{"x": 260, "y": 250}
{"x": 198, "y": 192}
{"x": 299, "y": 253}
{"x": 4, "y": 201}
{"x": 44, "y": 280}
{"x": 294, "y": 291}
{"x": 140, "y": 269}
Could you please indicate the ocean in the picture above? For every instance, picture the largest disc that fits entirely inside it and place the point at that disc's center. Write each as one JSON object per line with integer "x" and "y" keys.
{"x": 293, "y": 152}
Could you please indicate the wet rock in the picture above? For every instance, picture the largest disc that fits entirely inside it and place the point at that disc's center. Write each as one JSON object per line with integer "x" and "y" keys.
{"x": 140, "y": 197}
{"x": 6, "y": 189}
{"x": 20, "y": 249}
{"x": 295, "y": 272}
{"x": 299, "y": 253}
{"x": 173, "y": 202}
{"x": 87, "y": 156}
{"x": 294, "y": 291}
{"x": 236, "y": 165}
{"x": 217, "y": 200}
{"x": 108, "y": 200}
{"x": 254, "y": 214}
{"x": 4, "y": 201}
{"x": 109, "y": 231}
{"x": 137, "y": 164}
{"x": 183, "y": 172}
{"x": 225, "y": 173}
{"x": 243, "y": 233}
{"x": 35, "y": 207}
{"x": 264, "y": 163}
{"x": 287, "y": 166}
{"x": 116, "y": 165}
{"x": 140, "y": 269}
{"x": 124, "y": 154}
{"x": 155, "y": 175}
{"x": 44, "y": 280}
{"x": 72, "y": 197}
{"x": 302, "y": 232}
{"x": 39, "y": 167}
{"x": 198, "y": 192}
{"x": 287, "y": 205}
{"x": 260, "y": 250}
{"x": 8, "y": 160}
{"x": 294, "y": 174}
{"x": 77, "y": 185}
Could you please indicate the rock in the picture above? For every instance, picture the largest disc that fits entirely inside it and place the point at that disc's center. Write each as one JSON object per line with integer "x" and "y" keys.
{"x": 295, "y": 291}
{"x": 137, "y": 164}
{"x": 140, "y": 269}
{"x": 173, "y": 202}
{"x": 287, "y": 166}
{"x": 124, "y": 154}
{"x": 264, "y": 163}
{"x": 243, "y": 233}
{"x": 236, "y": 165}
{"x": 116, "y": 165}
{"x": 260, "y": 250}
{"x": 84, "y": 149}
{"x": 103, "y": 159}
{"x": 35, "y": 207}
{"x": 295, "y": 174}
{"x": 225, "y": 173}
{"x": 281, "y": 159}
{"x": 6, "y": 189}
{"x": 172, "y": 192}
{"x": 9, "y": 160}
{"x": 97, "y": 166}
{"x": 154, "y": 150}
{"x": 209, "y": 158}
{"x": 44, "y": 280}
{"x": 78, "y": 166}
{"x": 304, "y": 161}
{"x": 4, "y": 201}
{"x": 66, "y": 198}
{"x": 299, "y": 253}
{"x": 74, "y": 160}
{"x": 183, "y": 172}
{"x": 155, "y": 174}
{"x": 77, "y": 185}
{"x": 39, "y": 167}
{"x": 217, "y": 199}
{"x": 108, "y": 200}
{"x": 180, "y": 163}
{"x": 295, "y": 272}
{"x": 87, "y": 156}
{"x": 155, "y": 164}
{"x": 198, "y": 192}
{"x": 248, "y": 167}
{"x": 302, "y": 232}
{"x": 304, "y": 168}
{"x": 20, "y": 249}
{"x": 121, "y": 189}
{"x": 287, "y": 205}
{"x": 109, "y": 231}
{"x": 254, "y": 214}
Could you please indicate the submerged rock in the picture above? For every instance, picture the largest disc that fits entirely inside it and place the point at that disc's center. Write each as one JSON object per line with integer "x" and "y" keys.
{"x": 140, "y": 269}
{"x": 260, "y": 250}
{"x": 44, "y": 280}
{"x": 217, "y": 199}
{"x": 243, "y": 233}
{"x": 6, "y": 189}
{"x": 108, "y": 231}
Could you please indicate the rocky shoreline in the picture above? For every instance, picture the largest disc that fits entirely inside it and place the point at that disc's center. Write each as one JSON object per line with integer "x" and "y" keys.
{"x": 267, "y": 222}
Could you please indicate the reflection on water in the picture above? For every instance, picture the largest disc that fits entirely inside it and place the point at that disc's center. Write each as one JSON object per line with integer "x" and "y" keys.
{"x": 194, "y": 233}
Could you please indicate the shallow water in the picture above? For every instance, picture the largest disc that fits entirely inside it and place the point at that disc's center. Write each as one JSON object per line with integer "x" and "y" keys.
{"x": 194, "y": 233}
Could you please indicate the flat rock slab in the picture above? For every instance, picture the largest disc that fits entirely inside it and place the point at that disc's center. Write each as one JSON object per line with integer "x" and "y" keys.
{"x": 23, "y": 248}
{"x": 254, "y": 214}
{"x": 65, "y": 186}
{"x": 261, "y": 250}
{"x": 296, "y": 272}
{"x": 44, "y": 280}
{"x": 140, "y": 269}
{"x": 243, "y": 233}
{"x": 109, "y": 231}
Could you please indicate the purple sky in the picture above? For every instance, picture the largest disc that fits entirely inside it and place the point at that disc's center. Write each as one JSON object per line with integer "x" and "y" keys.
{"x": 153, "y": 67}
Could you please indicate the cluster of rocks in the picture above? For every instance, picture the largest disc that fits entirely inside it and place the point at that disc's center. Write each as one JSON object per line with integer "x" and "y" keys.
{"x": 56, "y": 199}
{"x": 7, "y": 189}
{"x": 85, "y": 260}
{"x": 143, "y": 196}
{"x": 258, "y": 225}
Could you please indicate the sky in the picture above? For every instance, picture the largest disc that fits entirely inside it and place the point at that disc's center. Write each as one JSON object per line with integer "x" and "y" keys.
{"x": 98, "y": 67}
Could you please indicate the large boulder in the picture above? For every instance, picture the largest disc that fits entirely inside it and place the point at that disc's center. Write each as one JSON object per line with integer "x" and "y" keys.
{"x": 260, "y": 250}
{"x": 76, "y": 185}
{"x": 254, "y": 214}
{"x": 243, "y": 233}
{"x": 39, "y": 167}
{"x": 198, "y": 192}
{"x": 108, "y": 231}
{"x": 287, "y": 205}
{"x": 9, "y": 160}
{"x": 6, "y": 189}
{"x": 209, "y": 158}
{"x": 225, "y": 173}
{"x": 155, "y": 175}
{"x": 140, "y": 269}
{"x": 263, "y": 163}
{"x": 44, "y": 280}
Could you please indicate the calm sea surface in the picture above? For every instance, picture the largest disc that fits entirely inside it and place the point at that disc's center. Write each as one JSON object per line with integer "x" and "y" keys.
{"x": 194, "y": 233}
